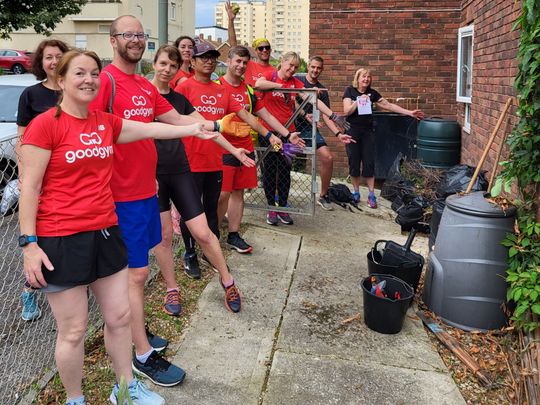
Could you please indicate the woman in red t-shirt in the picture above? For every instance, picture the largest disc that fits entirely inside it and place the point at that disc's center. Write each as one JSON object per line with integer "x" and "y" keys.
{"x": 185, "y": 46}
{"x": 70, "y": 235}
{"x": 276, "y": 173}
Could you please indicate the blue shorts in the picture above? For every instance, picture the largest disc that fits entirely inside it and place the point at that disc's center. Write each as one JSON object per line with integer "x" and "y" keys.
{"x": 141, "y": 228}
{"x": 306, "y": 136}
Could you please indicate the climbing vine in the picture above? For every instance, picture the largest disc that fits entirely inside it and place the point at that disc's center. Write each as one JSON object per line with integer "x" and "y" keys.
{"x": 523, "y": 169}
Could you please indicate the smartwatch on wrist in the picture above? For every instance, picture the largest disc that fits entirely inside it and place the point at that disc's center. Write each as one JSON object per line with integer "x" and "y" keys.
{"x": 26, "y": 239}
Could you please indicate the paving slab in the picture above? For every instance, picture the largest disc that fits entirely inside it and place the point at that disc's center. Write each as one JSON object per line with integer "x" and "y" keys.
{"x": 289, "y": 344}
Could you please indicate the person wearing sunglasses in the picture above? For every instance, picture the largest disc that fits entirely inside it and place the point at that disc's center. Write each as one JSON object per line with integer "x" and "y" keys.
{"x": 255, "y": 69}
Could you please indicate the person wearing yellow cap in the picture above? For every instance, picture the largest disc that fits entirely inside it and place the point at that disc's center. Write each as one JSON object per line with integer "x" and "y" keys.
{"x": 255, "y": 69}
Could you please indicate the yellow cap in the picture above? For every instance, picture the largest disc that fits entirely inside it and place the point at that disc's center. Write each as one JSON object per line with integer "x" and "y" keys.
{"x": 259, "y": 41}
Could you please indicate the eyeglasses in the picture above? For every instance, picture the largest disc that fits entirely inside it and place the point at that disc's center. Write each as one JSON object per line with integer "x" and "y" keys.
{"x": 129, "y": 36}
{"x": 207, "y": 58}
{"x": 264, "y": 48}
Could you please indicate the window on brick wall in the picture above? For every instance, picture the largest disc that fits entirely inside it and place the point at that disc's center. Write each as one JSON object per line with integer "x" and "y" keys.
{"x": 464, "y": 72}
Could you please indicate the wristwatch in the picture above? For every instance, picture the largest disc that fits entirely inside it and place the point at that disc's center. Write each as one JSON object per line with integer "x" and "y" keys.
{"x": 26, "y": 239}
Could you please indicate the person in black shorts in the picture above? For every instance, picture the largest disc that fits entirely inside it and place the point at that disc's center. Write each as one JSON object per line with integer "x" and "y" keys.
{"x": 177, "y": 184}
{"x": 304, "y": 124}
{"x": 33, "y": 101}
{"x": 357, "y": 106}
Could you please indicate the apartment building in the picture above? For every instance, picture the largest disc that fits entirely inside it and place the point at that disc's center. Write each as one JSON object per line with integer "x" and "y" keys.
{"x": 90, "y": 29}
{"x": 287, "y": 25}
{"x": 250, "y": 23}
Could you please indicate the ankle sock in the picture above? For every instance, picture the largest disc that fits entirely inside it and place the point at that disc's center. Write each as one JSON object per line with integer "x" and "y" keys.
{"x": 372, "y": 194}
{"x": 172, "y": 289}
{"x": 143, "y": 357}
{"x": 227, "y": 285}
{"x": 76, "y": 399}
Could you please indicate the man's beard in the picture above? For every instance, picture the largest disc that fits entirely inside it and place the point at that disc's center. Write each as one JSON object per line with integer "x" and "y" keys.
{"x": 124, "y": 54}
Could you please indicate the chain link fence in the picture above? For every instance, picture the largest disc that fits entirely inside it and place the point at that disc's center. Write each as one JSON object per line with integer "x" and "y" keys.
{"x": 283, "y": 186}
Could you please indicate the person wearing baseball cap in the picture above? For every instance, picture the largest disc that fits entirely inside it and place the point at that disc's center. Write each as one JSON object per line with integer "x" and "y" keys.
{"x": 205, "y": 48}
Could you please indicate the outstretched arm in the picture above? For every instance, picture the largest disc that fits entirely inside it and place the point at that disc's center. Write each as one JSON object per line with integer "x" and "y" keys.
{"x": 386, "y": 105}
{"x": 265, "y": 84}
{"x": 135, "y": 131}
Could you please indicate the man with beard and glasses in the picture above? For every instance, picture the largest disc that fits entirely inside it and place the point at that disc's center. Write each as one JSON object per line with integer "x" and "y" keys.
{"x": 133, "y": 182}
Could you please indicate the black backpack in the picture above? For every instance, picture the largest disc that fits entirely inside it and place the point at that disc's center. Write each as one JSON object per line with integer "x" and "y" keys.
{"x": 341, "y": 195}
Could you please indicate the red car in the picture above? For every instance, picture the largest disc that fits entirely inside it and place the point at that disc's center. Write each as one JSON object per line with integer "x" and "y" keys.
{"x": 15, "y": 61}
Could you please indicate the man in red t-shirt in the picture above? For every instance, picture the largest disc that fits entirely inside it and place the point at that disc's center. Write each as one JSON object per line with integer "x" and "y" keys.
{"x": 133, "y": 184}
{"x": 255, "y": 69}
{"x": 212, "y": 101}
{"x": 236, "y": 178}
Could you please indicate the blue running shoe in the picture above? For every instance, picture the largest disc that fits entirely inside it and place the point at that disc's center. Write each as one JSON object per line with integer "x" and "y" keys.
{"x": 372, "y": 201}
{"x": 171, "y": 304}
{"x": 159, "y": 371}
{"x": 30, "y": 310}
{"x": 139, "y": 394}
{"x": 158, "y": 343}
{"x": 233, "y": 301}
{"x": 356, "y": 197}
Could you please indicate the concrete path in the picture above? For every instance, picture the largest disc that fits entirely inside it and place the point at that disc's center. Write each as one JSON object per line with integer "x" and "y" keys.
{"x": 289, "y": 345}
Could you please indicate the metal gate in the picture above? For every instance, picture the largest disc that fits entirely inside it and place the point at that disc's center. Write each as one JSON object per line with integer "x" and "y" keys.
{"x": 302, "y": 180}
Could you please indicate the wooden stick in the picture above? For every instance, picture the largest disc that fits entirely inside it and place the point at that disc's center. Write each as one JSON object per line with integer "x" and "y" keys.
{"x": 452, "y": 343}
{"x": 488, "y": 146}
{"x": 497, "y": 158}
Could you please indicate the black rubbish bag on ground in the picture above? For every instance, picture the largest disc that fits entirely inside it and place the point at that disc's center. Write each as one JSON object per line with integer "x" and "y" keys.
{"x": 411, "y": 211}
{"x": 457, "y": 178}
{"x": 395, "y": 184}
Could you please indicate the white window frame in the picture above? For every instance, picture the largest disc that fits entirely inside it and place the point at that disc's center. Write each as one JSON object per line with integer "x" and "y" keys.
{"x": 172, "y": 10}
{"x": 81, "y": 41}
{"x": 467, "y": 117}
{"x": 464, "y": 32}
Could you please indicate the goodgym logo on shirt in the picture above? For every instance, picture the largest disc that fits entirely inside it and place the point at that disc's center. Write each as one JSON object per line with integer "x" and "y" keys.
{"x": 139, "y": 109}
{"x": 209, "y": 105}
{"x": 92, "y": 142}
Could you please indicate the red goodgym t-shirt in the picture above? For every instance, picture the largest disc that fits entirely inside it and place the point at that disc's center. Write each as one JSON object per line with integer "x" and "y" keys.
{"x": 136, "y": 99}
{"x": 279, "y": 104}
{"x": 255, "y": 71}
{"x": 180, "y": 75}
{"x": 75, "y": 192}
{"x": 213, "y": 102}
{"x": 240, "y": 94}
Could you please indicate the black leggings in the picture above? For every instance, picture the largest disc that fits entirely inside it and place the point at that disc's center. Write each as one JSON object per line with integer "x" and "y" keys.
{"x": 276, "y": 175}
{"x": 208, "y": 188}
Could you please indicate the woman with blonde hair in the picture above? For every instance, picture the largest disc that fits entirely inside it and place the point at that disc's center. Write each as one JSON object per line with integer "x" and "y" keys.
{"x": 277, "y": 173}
{"x": 70, "y": 236}
{"x": 357, "y": 105}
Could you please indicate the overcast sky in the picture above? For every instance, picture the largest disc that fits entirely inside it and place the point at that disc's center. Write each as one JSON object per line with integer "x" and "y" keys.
{"x": 204, "y": 12}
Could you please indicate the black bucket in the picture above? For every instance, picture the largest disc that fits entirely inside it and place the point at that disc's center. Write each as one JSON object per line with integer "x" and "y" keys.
{"x": 382, "y": 314}
{"x": 409, "y": 274}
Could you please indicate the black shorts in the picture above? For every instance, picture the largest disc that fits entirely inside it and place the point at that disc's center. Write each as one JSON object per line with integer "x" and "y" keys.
{"x": 361, "y": 153}
{"x": 84, "y": 257}
{"x": 182, "y": 190}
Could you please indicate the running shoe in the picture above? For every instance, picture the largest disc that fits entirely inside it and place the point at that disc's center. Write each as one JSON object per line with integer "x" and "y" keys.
{"x": 191, "y": 266}
{"x": 272, "y": 218}
{"x": 285, "y": 218}
{"x": 233, "y": 301}
{"x": 372, "y": 201}
{"x": 236, "y": 242}
{"x": 158, "y": 343}
{"x": 325, "y": 203}
{"x": 159, "y": 370}
{"x": 356, "y": 197}
{"x": 171, "y": 303}
{"x": 138, "y": 393}
{"x": 30, "y": 307}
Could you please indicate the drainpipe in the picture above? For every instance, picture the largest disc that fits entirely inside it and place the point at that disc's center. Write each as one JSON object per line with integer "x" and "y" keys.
{"x": 163, "y": 22}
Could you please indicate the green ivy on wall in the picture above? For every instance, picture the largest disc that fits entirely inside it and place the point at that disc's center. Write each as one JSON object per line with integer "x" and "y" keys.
{"x": 523, "y": 169}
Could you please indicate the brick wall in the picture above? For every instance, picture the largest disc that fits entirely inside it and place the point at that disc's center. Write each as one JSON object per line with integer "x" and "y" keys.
{"x": 411, "y": 48}
{"x": 494, "y": 69}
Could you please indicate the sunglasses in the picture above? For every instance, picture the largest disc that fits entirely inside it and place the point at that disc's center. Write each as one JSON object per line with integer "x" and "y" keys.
{"x": 263, "y": 48}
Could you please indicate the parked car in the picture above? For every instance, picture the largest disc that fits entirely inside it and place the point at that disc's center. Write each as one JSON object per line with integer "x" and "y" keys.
{"x": 11, "y": 88}
{"x": 17, "y": 62}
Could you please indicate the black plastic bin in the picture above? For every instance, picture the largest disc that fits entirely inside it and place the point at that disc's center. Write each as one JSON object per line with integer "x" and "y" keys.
{"x": 384, "y": 315}
{"x": 411, "y": 275}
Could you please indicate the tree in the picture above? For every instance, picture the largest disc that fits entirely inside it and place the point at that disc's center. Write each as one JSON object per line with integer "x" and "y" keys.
{"x": 41, "y": 15}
